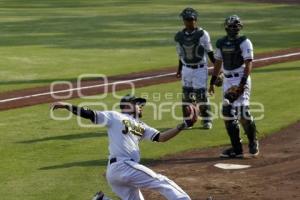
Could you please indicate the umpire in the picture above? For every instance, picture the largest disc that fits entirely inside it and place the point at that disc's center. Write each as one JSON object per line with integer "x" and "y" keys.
{"x": 235, "y": 52}
{"x": 193, "y": 46}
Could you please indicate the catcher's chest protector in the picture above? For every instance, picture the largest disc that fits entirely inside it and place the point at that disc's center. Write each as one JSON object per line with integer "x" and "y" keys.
{"x": 231, "y": 52}
{"x": 193, "y": 51}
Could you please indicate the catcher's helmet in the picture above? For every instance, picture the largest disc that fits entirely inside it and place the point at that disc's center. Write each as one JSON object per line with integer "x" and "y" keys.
{"x": 189, "y": 14}
{"x": 233, "y": 25}
{"x": 131, "y": 99}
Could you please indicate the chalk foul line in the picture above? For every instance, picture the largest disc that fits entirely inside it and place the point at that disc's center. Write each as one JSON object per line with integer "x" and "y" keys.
{"x": 127, "y": 81}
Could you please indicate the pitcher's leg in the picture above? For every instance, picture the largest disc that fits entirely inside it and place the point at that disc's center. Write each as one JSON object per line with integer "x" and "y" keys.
{"x": 127, "y": 192}
{"x": 143, "y": 177}
{"x": 118, "y": 176}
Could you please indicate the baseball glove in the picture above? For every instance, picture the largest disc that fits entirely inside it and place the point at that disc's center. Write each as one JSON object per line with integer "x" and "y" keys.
{"x": 219, "y": 80}
{"x": 233, "y": 93}
{"x": 191, "y": 111}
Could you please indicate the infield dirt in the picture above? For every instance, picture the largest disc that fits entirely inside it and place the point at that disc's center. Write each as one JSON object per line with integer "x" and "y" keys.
{"x": 274, "y": 174}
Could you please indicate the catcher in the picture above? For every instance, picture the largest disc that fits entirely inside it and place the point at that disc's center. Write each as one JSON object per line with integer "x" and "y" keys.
{"x": 194, "y": 47}
{"x": 235, "y": 52}
{"x": 125, "y": 174}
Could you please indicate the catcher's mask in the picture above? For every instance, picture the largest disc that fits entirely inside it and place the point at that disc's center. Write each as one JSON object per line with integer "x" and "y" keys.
{"x": 130, "y": 99}
{"x": 233, "y": 25}
{"x": 189, "y": 14}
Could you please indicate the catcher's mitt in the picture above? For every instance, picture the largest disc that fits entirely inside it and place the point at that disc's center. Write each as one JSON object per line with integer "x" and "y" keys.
{"x": 233, "y": 93}
{"x": 191, "y": 112}
{"x": 219, "y": 80}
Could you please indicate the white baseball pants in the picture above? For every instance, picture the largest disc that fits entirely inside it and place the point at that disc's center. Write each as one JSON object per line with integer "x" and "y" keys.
{"x": 127, "y": 177}
{"x": 194, "y": 78}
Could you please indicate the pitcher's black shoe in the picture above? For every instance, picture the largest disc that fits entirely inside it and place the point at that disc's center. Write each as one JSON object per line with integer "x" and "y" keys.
{"x": 98, "y": 196}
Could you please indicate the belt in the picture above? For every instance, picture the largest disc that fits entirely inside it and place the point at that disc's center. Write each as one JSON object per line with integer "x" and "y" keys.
{"x": 231, "y": 75}
{"x": 195, "y": 66}
{"x": 113, "y": 160}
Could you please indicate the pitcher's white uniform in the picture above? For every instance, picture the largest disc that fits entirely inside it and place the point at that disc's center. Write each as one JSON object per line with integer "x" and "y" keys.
{"x": 124, "y": 173}
{"x": 236, "y": 74}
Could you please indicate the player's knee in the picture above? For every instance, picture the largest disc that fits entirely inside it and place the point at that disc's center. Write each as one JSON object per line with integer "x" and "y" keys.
{"x": 231, "y": 125}
{"x": 228, "y": 112}
{"x": 244, "y": 113}
{"x": 187, "y": 94}
{"x": 170, "y": 189}
{"x": 201, "y": 95}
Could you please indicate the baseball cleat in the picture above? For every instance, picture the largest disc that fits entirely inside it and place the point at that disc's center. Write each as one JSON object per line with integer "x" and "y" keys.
{"x": 98, "y": 196}
{"x": 207, "y": 125}
{"x": 188, "y": 128}
{"x": 229, "y": 153}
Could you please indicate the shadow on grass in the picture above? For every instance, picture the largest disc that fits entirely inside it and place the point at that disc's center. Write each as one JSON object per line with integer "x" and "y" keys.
{"x": 88, "y": 163}
{"x": 66, "y": 137}
{"x": 150, "y": 162}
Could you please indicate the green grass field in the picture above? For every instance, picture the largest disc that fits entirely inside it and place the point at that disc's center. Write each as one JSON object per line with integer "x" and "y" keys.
{"x": 46, "y": 40}
{"x": 42, "y": 41}
{"x": 46, "y": 159}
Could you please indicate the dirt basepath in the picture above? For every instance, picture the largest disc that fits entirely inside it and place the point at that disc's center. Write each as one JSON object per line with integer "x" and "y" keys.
{"x": 274, "y": 175}
{"x": 34, "y": 96}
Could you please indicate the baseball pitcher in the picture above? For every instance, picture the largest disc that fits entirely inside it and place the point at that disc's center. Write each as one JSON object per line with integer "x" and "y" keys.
{"x": 125, "y": 174}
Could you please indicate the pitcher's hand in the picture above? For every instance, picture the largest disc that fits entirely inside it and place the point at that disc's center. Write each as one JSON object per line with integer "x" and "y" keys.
{"x": 59, "y": 105}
